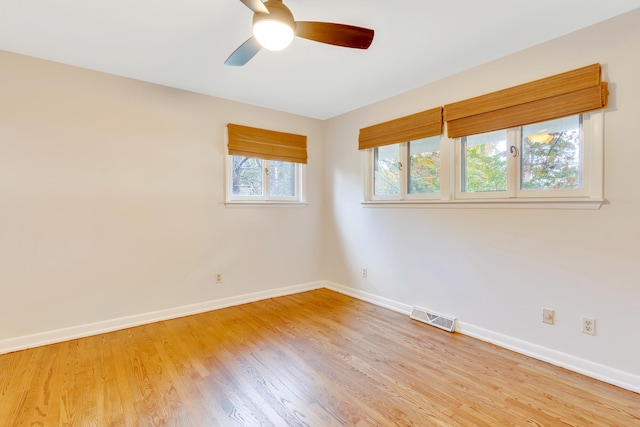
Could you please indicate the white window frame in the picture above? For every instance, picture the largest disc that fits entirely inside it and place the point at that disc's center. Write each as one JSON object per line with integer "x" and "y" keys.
{"x": 509, "y": 192}
{"x": 265, "y": 198}
{"x": 589, "y": 196}
{"x": 369, "y": 170}
{"x": 592, "y": 130}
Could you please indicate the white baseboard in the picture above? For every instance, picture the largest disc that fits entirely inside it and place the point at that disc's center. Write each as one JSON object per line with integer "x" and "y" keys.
{"x": 591, "y": 369}
{"x": 81, "y": 331}
{"x": 368, "y": 297}
{"x": 600, "y": 372}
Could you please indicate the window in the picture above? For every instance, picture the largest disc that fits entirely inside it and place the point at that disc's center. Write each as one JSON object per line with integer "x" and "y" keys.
{"x": 387, "y": 169}
{"x": 539, "y": 144}
{"x": 556, "y": 160}
{"x": 551, "y": 155}
{"x": 483, "y": 163}
{"x": 403, "y": 157}
{"x": 423, "y": 172}
{"x": 408, "y": 170}
{"x": 265, "y": 166}
{"x": 254, "y": 179}
{"x": 551, "y": 159}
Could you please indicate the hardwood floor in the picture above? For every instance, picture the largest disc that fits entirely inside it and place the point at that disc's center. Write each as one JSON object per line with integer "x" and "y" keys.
{"x": 313, "y": 359}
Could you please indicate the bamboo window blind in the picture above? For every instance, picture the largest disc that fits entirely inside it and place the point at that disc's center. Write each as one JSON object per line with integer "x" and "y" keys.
{"x": 266, "y": 144}
{"x": 573, "y": 92}
{"x": 408, "y": 128}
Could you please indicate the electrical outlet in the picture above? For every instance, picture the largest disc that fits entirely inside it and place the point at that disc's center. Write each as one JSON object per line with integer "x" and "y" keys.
{"x": 548, "y": 316}
{"x": 218, "y": 277}
{"x": 364, "y": 272}
{"x": 588, "y": 325}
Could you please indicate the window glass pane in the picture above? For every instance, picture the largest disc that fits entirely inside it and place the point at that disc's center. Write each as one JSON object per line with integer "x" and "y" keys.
{"x": 424, "y": 166}
{"x": 282, "y": 179}
{"x": 247, "y": 176}
{"x": 386, "y": 175}
{"x": 484, "y": 162}
{"x": 551, "y": 155}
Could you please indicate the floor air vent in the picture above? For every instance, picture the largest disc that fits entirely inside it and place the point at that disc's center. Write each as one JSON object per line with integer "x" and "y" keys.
{"x": 433, "y": 319}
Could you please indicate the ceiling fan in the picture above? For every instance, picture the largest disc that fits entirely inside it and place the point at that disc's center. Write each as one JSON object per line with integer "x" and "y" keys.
{"x": 274, "y": 29}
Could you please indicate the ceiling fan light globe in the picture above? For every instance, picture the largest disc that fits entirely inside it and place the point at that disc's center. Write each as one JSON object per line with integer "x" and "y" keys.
{"x": 273, "y": 34}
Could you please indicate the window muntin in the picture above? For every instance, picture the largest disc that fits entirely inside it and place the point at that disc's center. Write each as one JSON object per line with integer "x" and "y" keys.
{"x": 259, "y": 180}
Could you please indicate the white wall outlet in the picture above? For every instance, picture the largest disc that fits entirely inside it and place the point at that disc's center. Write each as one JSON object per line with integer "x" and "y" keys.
{"x": 364, "y": 272}
{"x": 548, "y": 316}
{"x": 218, "y": 277}
{"x": 588, "y": 325}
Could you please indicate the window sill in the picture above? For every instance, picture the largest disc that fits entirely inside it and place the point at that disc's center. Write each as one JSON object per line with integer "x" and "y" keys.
{"x": 577, "y": 203}
{"x": 263, "y": 203}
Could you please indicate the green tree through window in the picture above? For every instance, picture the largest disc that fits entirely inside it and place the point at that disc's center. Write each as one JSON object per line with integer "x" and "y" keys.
{"x": 424, "y": 166}
{"x": 552, "y": 162}
{"x": 485, "y": 163}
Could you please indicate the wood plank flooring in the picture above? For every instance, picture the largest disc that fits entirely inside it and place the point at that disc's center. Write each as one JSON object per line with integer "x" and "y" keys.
{"x": 313, "y": 359}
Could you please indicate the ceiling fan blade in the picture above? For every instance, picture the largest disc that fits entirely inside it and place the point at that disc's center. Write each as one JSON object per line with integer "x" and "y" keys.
{"x": 335, "y": 34}
{"x": 256, "y": 5}
{"x": 244, "y": 53}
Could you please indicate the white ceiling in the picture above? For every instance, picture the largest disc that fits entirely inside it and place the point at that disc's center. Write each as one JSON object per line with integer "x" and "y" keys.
{"x": 184, "y": 43}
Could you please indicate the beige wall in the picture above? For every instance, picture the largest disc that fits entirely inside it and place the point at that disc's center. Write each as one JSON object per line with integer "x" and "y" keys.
{"x": 111, "y": 205}
{"x": 496, "y": 269}
{"x": 111, "y": 200}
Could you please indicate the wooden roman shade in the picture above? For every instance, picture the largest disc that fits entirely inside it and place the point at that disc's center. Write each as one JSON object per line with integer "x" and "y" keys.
{"x": 409, "y": 128}
{"x": 573, "y": 92}
{"x": 267, "y": 144}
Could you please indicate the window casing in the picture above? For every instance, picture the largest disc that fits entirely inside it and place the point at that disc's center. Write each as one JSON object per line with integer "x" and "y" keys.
{"x": 406, "y": 171}
{"x": 252, "y": 179}
{"x": 555, "y": 162}
{"x": 565, "y": 164}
